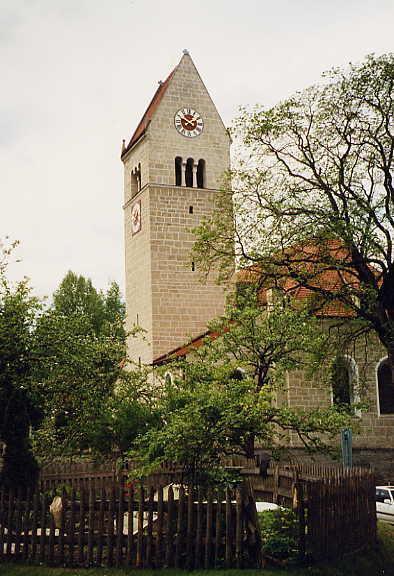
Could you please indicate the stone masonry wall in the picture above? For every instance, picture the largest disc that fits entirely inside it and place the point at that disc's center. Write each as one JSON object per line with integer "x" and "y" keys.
{"x": 372, "y": 430}
{"x": 182, "y": 301}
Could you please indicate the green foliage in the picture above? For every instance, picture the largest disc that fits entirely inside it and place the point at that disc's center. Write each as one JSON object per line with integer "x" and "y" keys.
{"x": 125, "y": 415}
{"x": 58, "y": 368}
{"x": 316, "y": 171}
{"x": 18, "y": 411}
{"x": 79, "y": 346}
{"x": 98, "y": 312}
{"x": 279, "y": 534}
{"x": 221, "y": 400}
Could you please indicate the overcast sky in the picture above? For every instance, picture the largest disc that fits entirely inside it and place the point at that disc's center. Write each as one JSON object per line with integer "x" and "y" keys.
{"x": 76, "y": 76}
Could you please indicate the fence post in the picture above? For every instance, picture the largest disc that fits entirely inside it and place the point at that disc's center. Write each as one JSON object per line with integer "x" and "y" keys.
{"x": 100, "y": 534}
{"x": 149, "y": 541}
{"x": 43, "y": 527}
{"x": 2, "y": 520}
{"x": 179, "y": 528}
{"x": 238, "y": 527}
{"x": 81, "y": 533}
{"x": 169, "y": 527}
{"x": 218, "y": 527}
{"x": 130, "y": 525}
{"x": 62, "y": 527}
{"x": 159, "y": 529}
{"x": 198, "y": 544}
{"x": 299, "y": 509}
{"x": 92, "y": 500}
{"x": 228, "y": 550}
{"x": 189, "y": 529}
{"x": 119, "y": 526}
{"x": 208, "y": 531}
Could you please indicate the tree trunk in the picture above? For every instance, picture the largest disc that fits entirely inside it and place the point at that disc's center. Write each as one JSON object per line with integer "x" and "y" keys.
{"x": 249, "y": 446}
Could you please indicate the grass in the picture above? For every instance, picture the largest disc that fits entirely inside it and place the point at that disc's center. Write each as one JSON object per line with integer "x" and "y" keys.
{"x": 379, "y": 562}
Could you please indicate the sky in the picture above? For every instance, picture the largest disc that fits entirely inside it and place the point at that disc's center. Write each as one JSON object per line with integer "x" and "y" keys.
{"x": 77, "y": 75}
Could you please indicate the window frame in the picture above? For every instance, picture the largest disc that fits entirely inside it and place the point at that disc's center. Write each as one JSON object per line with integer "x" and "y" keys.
{"x": 353, "y": 384}
{"x": 380, "y": 415}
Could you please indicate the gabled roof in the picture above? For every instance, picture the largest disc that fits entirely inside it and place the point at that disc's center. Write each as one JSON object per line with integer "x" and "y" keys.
{"x": 147, "y": 117}
{"x": 184, "y": 350}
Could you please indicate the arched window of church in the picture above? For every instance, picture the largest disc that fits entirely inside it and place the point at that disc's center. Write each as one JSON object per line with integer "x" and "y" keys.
{"x": 201, "y": 174}
{"x": 344, "y": 383}
{"x": 189, "y": 172}
{"x": 178, "y": 171}
{"x": 385, "y": 387}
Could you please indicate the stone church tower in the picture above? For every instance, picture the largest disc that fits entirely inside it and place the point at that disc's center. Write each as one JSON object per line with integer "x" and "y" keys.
{"x": 173, "y": 167}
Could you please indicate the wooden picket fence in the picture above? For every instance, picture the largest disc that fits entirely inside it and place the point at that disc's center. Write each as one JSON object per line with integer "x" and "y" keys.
{"x": 180, "y": 528}
{"x": 335, "y": 507}
{"x": 339, "y": 515}
{"x": 80, "y": 474}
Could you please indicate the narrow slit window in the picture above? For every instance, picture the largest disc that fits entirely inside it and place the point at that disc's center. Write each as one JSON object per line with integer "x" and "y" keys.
{"x": 189, "y": 172}
{"x": 133, "y": 185}
{"x": 190, "y": 209}
{"x": 178, "y": 171}
{"x": 193, "y": 267}
{"x": 201, "y": 174}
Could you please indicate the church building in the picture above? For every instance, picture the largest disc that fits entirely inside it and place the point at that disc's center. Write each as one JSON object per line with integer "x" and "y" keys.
{"x": 174, "y": 164}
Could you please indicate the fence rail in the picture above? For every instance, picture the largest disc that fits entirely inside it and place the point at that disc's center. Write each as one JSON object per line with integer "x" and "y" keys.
{"x": 335, "y": 509}
{"x": 179, "y": 528}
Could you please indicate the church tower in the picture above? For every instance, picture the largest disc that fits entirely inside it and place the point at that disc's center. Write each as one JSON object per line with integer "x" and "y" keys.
{"x": 173, "y": 167}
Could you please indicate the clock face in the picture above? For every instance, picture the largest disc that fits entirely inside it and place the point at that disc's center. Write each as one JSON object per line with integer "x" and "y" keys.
{"x": 188, "y": 122}
{"x": 136, "y": 218}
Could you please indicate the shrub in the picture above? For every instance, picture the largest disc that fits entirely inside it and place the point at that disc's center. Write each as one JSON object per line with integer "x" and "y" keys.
{"x": 279, "y": 532}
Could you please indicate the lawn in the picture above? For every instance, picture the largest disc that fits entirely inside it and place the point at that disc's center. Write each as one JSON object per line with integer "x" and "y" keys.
{"x": 379, "y": 562}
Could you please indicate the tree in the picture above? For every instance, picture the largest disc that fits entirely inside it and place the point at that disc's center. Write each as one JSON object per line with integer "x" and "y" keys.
{"x": 314, "y": 198}
{"x": 103, "y": 313}
{"x": 79, "y": 346}
{"x": 18, "y": 410}
{"x": 220, "y": 400}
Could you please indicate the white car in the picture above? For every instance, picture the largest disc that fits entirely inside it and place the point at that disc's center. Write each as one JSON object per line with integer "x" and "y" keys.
{"x": 385, "y": 503}
{"x": 264, "y": 506}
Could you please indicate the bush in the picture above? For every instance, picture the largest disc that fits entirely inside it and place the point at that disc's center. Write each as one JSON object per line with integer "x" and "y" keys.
{"x": 279, "y": 532}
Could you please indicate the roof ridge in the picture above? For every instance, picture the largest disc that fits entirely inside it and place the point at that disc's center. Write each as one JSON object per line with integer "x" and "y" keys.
{"x": 148, "y": 114}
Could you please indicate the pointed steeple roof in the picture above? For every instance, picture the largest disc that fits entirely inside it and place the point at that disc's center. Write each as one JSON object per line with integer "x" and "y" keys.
{"x": 147, "y": 117}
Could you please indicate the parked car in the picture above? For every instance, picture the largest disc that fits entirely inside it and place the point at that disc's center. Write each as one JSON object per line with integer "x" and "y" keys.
{"x": 263, "y": 506}
{"x": 385, "y": 503}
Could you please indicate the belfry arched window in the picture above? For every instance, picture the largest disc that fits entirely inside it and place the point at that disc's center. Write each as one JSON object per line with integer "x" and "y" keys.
{"x": 201, "y": 174}
{"x": 178, "y": 171}
{"x": 133, "y": 184}
{"x": 344, "y": 381}
{"x": 189, "y": 172}
{"x": 135, "y": 180}
{"x": 385, "y": 387}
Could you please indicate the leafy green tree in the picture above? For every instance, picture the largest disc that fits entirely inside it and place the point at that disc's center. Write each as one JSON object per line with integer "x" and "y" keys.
{"x": 18, "y": 410}
{"x": 313, "y": 196}
{"x": 125, "y": 415}
{"x": 80, "y": 349}
{"x": 103, "y": 313}
{"x": 220, "y": 401}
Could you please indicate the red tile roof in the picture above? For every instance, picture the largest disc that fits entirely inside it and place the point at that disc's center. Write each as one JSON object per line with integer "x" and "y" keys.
{"x": 147, "y": 117}
{"x": 330, "y": 280}
{"x": 185, "y": 348}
